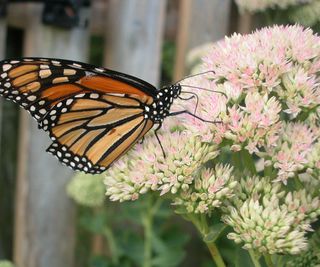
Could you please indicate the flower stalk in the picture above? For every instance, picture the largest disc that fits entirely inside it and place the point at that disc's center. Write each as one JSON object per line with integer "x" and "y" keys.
{"x": 216, "y": 256}
{"x": 200, "y": 222}
{"x": 267, "y": 258}
{"x": 147, "y": 222}
{"x": 254, "y": 258}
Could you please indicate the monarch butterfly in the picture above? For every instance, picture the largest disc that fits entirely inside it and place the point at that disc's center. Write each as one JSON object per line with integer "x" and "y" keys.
{"x": 93, "y": 115}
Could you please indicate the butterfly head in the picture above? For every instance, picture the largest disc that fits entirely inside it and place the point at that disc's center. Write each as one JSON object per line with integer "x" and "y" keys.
{"x": 176, "y": 90}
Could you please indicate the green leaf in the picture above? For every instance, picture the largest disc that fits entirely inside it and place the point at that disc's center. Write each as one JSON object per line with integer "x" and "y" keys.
{"x": 98, "y": 261}
{"x": 242, "y": 258}
{"x": 180, "y": 210}
{"x": 214, "y": 232}
{"x": 94, "y": 223}
{"x": 169, "y": 259}
{"x": 131, "y": 246}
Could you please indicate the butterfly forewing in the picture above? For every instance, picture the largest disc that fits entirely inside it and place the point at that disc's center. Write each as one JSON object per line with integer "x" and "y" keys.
{"x": 93, "y": 115}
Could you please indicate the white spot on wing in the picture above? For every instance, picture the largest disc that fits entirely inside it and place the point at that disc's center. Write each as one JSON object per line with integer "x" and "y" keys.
{"x": 32, "y": 98}
{"x": 79, "y": 96}
{"x": 6, "y": 67}
{"x": 76, "y": 65}
{"x": 94, "y": 96}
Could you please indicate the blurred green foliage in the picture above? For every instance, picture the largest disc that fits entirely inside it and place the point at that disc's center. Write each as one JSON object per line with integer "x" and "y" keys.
{"x": 168, "y": 57}
{"x": 122, "y": 227}
{"x": 5, "y": 263}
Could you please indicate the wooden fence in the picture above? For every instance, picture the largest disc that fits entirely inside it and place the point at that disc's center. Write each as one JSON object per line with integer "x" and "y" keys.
{"x": 134, "y": 31}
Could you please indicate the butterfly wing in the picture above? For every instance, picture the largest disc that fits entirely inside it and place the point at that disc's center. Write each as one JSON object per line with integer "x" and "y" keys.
{"x": 93, "y": 115}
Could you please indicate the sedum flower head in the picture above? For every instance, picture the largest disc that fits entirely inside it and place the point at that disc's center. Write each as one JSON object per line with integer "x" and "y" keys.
{"x": 145, "y": 168}
{"x": 262, "y": 92}
{"x": 293, "y": 150}
{"x": 210, "y": 188}
{"x": 261, "y": 5}
{"x": 87, "y": 190}
{"x": 307, "y": 15}
{"x": 260, "y": 83}
{"x": 308, "y": 258}
{"x": 269, "y": 220}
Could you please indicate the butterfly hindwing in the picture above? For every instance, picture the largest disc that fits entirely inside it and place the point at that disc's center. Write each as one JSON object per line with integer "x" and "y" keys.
{"x": 91, "y": 139}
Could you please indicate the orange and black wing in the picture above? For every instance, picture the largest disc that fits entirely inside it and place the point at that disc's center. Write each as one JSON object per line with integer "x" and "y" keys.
{"x": 93, "y": 115}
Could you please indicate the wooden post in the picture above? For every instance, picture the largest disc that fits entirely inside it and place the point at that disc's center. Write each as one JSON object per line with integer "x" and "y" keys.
{"x": 245, "y": 23}
{"x": 200, "y": 21}
{"x": 44, "y": 218}
{"x": 133, "y": 42}
{"x": 3, "y": 33}
{"x": 134, "y": 37}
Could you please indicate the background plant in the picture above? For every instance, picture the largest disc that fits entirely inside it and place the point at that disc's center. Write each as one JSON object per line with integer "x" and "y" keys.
{"x": 304, "y": 12}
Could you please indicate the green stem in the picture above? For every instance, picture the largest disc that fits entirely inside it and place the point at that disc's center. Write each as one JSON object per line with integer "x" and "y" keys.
{"x": 214, "y": 251}
{"x": 254, "y": 258}
{"x": 298, "y": 183}
{"x": 236, "y": 160}
{"x": 202, "y": 226}
{"x": 112, "y": 245}
{"x": 248, "y": 161}
{"x": 268, "y": 171}
{"x": 147, "y": 221}
{"x": 267, "y": 258}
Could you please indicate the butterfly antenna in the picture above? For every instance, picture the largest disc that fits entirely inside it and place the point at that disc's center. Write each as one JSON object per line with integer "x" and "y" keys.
{"x": 204, "y": 89}
{"x": 194, "y": 75}
{"x": 193, "y": 115}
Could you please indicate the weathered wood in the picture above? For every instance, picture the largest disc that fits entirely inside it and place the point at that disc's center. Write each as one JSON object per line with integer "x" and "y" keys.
{"x": 3, "y": 32}
{"x": 134, "y": 37}
{"x": 44, "y": 219}
{"x": 200, "y": 21}
{"x": 133, "y": 42}
{"x": 245, "y": 23}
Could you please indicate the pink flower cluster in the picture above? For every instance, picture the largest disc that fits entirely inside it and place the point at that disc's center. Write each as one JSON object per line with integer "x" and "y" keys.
{"x": 259, "y": 105}
{"x": 263, "y": 84}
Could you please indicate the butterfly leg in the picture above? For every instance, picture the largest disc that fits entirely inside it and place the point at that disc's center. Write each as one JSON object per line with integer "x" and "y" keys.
{"x": 156, "y": 134}
{"x": 142, "y": 140}
{"x": 187, "y": 98}
{"x": 191, "y": 114}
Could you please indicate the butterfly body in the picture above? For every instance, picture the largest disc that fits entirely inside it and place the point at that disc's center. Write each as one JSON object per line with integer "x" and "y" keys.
{"x": 93, "y": 115}
{"x": 160, "y": 108}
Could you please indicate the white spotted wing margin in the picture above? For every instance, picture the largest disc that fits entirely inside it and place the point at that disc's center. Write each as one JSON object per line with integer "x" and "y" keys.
{"x": 93, "y": 132}
{"x": 29, "y": 83}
